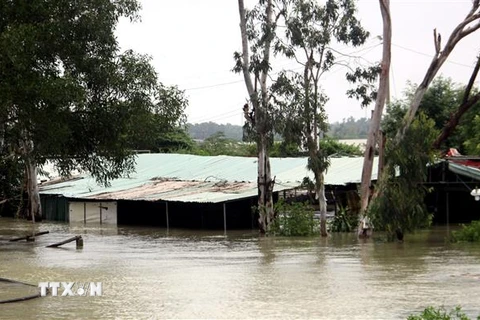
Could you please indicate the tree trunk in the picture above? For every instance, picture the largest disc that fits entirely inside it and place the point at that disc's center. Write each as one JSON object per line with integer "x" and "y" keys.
{"x": 378, "y": 111}
{"x": 34, "y": 210}
{"x": 322, "y": 204}
{"x": 265, "y": 187}
{"x": 264, "y": 179}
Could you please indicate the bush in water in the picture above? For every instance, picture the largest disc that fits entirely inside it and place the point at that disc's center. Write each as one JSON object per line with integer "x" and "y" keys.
{"x": 468, "y": 233}
{"x": 344, "y": 221}
{"x": 432, "y": 313}
{"x": 294, "y": 219}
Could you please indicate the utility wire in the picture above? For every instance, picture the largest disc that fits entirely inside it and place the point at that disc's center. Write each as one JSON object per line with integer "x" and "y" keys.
{"x": 431, "y": 56}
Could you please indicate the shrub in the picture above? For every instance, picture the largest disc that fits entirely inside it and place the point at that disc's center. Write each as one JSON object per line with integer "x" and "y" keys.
{"x": 432, "y": 313}
{"x": 344, "y": 221}
{"x": 294, "y": 219}
{"x": 468, "y": 233}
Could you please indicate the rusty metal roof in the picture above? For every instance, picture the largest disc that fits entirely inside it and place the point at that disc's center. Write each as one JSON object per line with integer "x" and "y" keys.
{"x": 189, "y": 178}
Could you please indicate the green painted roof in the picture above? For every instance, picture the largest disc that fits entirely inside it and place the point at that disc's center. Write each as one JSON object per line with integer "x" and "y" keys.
{"x": 464, "y": 170}
{"x": 189, "y": 178}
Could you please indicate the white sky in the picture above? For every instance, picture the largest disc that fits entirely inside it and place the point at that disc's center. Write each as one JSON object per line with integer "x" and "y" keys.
{"x": 192, "y": 44}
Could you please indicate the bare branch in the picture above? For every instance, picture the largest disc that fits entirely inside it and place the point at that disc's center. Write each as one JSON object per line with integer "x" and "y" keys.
{"x": 469, "y": 87}
{"x": 437, "y": 41}
{"x": 455, "y": 119}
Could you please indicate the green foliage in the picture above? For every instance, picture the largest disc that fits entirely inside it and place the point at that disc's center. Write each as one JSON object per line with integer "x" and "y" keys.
{"x": 11, "y": 173}
{"x": 310, "y": 30}
{"x": 337, "y": 148}
{"x": 442, "y": 99}
{"x": 218, "y": 144}
{"x": 69, "y": 92}
{"x": 344, "y": 221}
{"x": 349, "y": 129}
{"x": 366, "y": 79}
{"x": 470, "y": 132}
{"x": 174, "y": 140}
{"x": 468, "y": 233}
{"x": 283, "y": 150}
{"x": 432, "y": 313}
{"x": 294, "y": 219}
{"x": 202, "y": 131}
{"x": 400, "y": 206}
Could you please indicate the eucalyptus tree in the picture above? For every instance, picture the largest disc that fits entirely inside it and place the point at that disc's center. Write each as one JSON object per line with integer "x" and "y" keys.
{"x": 381, "y": 97}
{"x": 258, "y": 27}
{"x": 469, "y": 25}
{"x": 311, "y": 31}
{"x": 67, "y": 94}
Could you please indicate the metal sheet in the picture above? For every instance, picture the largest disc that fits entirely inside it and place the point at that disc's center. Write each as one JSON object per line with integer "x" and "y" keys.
{"x": 189, "y": 178}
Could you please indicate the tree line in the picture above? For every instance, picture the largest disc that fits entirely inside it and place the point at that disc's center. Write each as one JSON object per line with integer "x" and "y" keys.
{"x": 348, "y": 128}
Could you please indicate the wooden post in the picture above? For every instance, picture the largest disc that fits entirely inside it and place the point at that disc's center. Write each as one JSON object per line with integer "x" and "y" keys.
{"x": 100, "y": 213}
{"x": 166, "y": 214}
{"x": 29, "y": 236}
{"x": 76, "y": 239}
{"x": 448, "y": 212}
{"x": 225, "y": 217}
{"x": 79, "y": 242}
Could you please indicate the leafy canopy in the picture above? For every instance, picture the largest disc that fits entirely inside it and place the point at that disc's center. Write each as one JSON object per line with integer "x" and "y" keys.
{"x": 68, "y": 92}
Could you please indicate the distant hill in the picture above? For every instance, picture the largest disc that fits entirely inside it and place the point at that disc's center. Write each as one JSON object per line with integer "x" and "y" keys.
{"x": 347, "y": 129}
{"x": 201, "y": 131}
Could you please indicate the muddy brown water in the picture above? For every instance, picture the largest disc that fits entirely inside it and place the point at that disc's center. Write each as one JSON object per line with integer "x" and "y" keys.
{"x": 149, "y": 273}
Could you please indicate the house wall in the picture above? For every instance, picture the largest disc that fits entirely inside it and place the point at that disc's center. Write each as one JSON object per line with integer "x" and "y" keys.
{"x": 92, "y": 212}
{"x": 461, "y": 207}
{"x": 187, "y": 215}
{"x": 148, "y": 213}
{"x": 54, "y": 208}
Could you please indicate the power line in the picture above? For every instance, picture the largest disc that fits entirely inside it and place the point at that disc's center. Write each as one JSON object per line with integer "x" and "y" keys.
{"x": 431, "y": 56}
{"x": 213, "y": 85}
{"x": 283, "y": 66}
{"x": 227, "y": 114}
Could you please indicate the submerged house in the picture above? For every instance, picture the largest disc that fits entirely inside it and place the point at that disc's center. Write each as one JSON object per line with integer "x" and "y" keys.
{"x": 188, "y": 191}
{"x": 452, "y": 181}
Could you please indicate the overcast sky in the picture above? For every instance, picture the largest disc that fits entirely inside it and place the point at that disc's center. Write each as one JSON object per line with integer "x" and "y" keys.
{"x": 192, "y": 42}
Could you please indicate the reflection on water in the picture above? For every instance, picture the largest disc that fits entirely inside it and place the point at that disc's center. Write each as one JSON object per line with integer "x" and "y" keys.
{"x": 154, "y": 273}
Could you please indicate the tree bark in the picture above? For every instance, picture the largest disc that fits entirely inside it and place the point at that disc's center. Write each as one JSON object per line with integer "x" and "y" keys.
{"x": 264, "y": 179}
{"x": 35, "y": 209}
{"x": 322, "y": 201}
{"x": 378, "y": 111}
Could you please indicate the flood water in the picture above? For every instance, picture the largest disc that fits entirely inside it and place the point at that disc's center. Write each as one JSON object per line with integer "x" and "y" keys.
{"x": 154, "y": 274}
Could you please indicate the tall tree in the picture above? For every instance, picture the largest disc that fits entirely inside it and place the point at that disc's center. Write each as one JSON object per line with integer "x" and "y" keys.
{"x": 373, "y": 132}
{"x": 258, "y": 28}
{"x": 311, "y": 31}
{"x": 470, "y": 24}
{"x": 67, "y": 93}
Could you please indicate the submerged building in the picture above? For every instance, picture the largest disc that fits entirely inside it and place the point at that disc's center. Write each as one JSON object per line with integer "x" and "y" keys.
{"x": 451, "y": 182}
{"x": 185, "y": 191}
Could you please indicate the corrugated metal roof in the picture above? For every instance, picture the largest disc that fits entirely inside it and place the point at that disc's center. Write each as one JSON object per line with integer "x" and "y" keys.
{"x": 466, "y": 168}
{"x": 189, "y": 178}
